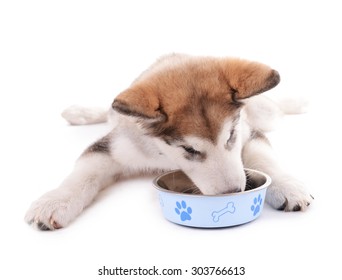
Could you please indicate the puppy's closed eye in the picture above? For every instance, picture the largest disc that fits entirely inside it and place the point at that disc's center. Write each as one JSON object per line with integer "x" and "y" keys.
{"x": 190, "y": 150}
{"x": 192, "y": 154}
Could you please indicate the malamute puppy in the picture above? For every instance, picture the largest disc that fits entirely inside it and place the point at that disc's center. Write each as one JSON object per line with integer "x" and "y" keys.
{"x": 198, "y": 114}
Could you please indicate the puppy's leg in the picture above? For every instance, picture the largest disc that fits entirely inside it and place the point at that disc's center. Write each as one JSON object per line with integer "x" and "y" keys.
{"x": 93, "y": 171}
{"x": 285, "y": 193}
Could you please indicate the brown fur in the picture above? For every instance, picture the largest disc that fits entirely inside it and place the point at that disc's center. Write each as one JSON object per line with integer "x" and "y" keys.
{"x": 192, "y": 97}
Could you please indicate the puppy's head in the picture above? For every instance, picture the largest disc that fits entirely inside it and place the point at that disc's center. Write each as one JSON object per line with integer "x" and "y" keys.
{"x": 191, "y": 106}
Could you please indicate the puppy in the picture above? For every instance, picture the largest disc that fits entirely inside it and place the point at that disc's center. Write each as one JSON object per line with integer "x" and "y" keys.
{"x": 197, "y": 114}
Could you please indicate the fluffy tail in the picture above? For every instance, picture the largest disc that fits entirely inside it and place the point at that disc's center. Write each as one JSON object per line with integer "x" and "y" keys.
{"x": 293, "y": 105}
{"x": 77, "y": 115}
{"x": 264, "y": 114}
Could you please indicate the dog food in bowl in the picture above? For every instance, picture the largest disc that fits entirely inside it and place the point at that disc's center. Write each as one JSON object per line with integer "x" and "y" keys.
{"x": 210, "y": 211}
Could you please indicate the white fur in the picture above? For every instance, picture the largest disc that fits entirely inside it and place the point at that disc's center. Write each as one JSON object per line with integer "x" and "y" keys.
{"x": 290, "y": 105}
{"x": 78, "y": 115}
{"x": 59, "y": 207}
{"x": 258, "y": 155}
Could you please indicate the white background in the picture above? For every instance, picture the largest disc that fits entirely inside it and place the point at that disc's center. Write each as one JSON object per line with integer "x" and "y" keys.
{"x": 57, "y": 53}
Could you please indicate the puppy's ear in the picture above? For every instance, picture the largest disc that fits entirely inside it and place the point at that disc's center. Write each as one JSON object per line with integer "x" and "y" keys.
{"x": 249, "y": 78}
{"x": 140, "y": 102}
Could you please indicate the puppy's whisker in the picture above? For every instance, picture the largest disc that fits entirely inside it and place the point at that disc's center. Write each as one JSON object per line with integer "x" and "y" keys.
{"x": 249, "y": 181}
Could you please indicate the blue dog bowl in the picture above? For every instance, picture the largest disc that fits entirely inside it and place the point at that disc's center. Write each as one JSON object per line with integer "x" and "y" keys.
{"x": 211, "y": 211}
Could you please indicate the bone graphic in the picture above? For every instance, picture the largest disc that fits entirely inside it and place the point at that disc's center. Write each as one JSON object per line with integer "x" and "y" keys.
{"x": 230, "y": 208}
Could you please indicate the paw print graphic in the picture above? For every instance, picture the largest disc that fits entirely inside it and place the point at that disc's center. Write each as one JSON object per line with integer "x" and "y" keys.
{"x": 255, "y": 208}
{"x": 183, "y": 211}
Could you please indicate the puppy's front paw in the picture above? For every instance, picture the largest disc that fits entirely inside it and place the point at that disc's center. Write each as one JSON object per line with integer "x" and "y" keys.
{"x": 54, "y": 210}
{"x": 289, "y": 195}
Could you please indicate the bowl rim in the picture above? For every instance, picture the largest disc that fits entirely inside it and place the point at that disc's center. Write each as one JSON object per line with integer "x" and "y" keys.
{"x": 263, "y": 186}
